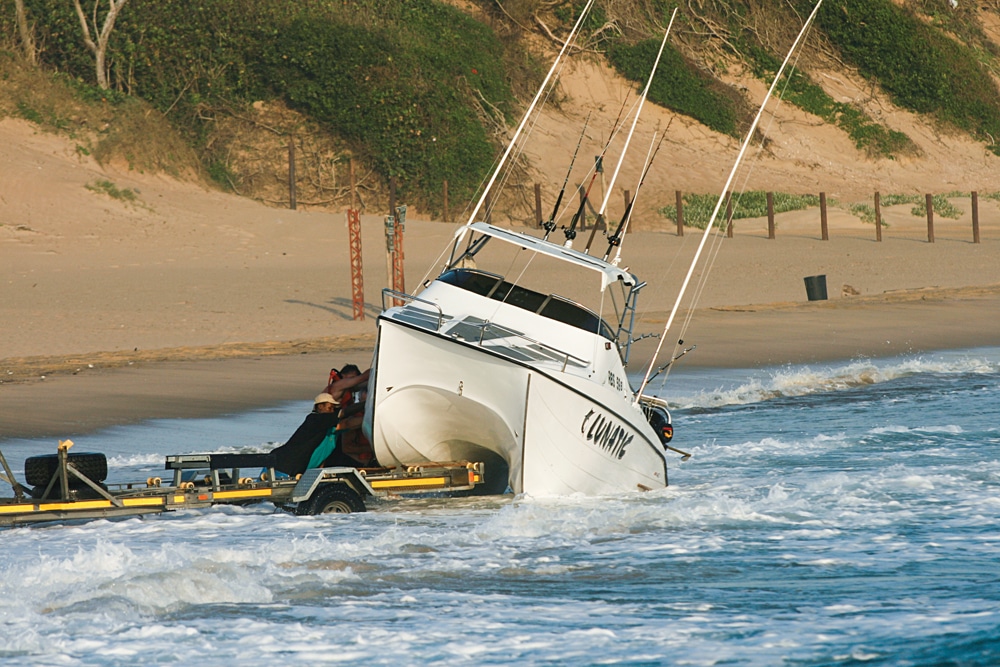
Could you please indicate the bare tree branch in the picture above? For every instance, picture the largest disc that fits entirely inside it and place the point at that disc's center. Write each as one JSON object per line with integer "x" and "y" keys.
{"x": 100, "y": 47}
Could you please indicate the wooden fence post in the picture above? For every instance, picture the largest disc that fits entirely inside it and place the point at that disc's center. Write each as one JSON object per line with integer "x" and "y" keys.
{"x": 975, "y": 217}
{"x": 729, "y": 215}
{"x": 291, "y": 173}
{"x": 770, "y": 215}
{"x": 930, "y": 218}
{"x": 878, "y": 217}
{"x": 824, "y": 229}
{"x": 680, "y": 213}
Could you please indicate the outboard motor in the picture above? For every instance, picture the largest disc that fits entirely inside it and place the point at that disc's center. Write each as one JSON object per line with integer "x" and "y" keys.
{"x": 659, "y": 419}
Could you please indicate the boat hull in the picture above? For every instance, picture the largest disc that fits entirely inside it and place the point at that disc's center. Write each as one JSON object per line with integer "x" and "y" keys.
{"x": 435, "y": 398}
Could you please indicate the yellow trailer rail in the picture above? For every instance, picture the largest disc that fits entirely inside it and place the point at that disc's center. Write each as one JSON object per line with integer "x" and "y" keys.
{"x": 205, "y": 480}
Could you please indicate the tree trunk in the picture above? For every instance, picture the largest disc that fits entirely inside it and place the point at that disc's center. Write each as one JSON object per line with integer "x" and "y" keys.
{"x": 27, "y": 34}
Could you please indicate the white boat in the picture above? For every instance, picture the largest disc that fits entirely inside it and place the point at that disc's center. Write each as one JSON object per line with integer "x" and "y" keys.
{"x": 486, "y": 367}
{"x": 533, "y": 384}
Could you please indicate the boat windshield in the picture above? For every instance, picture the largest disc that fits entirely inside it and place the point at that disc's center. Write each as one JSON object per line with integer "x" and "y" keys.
{"x": 551, "y": 306}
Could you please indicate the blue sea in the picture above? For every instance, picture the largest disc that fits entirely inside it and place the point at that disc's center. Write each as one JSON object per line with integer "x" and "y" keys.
{"x": 841, "y": 514}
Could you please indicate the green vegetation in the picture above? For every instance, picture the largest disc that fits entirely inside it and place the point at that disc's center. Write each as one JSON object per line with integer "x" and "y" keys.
{"x": 942, "y": 206}
{"x": 415, "y": 87}
{"x": 679, "y": 85}
{"x": 751, "y": 204}
{"x": 106, "y": 187}
{"x": 796, "y": 87}
{"x": 411, "y": 95}
{"x": 424, "y": 91}
{"x": 921, "y": 68}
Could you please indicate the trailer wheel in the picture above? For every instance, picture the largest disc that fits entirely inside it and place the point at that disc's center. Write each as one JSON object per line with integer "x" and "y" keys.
{"x": 38, "y": 470}
{"x": 332, "y": 499}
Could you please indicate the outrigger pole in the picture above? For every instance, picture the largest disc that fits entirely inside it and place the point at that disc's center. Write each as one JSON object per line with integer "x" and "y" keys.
{"x": 530, "y": 110}
{"x": 550, "y": 224}
{"x": 718, "y": 205}
{"x": 635, "y": 120}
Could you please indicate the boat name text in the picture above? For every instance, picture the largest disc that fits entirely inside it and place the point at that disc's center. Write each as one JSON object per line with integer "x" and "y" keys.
{"x": 606, "y": 434}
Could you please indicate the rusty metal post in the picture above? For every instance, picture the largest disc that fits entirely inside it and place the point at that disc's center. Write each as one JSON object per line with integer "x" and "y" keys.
{"x": 878, "y": 217}
{"x": 680, "y": 212}
{"x": 824, "y": 229}
{"x": 354, "y": 242}
{"x": 975, "y": 217}
{"x": 357, "y": 275}
{"x": 770, "y": 215}
{"x": 291, "y": 173}
{"x": 930, "y": 218}
{"x": 398, "y": 278}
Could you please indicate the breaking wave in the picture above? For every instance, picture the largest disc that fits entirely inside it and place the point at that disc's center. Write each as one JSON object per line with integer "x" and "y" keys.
{"x": 806, "y": 380}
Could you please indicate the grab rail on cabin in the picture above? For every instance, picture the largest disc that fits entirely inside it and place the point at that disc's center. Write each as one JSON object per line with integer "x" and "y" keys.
{"x": 399, "y": 297}
{"x": 517, "y": 334}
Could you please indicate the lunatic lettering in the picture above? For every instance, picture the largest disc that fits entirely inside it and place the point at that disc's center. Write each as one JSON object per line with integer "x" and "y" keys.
{"x": 606, "y": 434}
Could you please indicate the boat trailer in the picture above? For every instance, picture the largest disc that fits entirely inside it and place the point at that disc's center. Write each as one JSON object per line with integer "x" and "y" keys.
{"x": 69, "y": 487}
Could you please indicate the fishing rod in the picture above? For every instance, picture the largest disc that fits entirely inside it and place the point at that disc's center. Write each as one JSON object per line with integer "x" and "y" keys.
{"x": 550, "y": 225}
{"x": 635, "y": 120}
{"x": 722, "y": 197}
{"x": 530, "y": 110}
{"x": 616, "y": 238}
{"x": 570, "y": 231}
{"x": 669, "y": 363}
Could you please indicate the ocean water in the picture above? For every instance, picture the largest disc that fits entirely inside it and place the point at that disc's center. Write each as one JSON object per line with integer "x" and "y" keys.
{"x": 842, "y": 514}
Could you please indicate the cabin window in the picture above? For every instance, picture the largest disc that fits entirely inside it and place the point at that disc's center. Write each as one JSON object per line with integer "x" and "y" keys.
{"x": 551, "y": 306}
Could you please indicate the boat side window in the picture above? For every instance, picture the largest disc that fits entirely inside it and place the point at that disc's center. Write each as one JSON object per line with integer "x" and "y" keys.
{"x": 576, "y": 315}
{"x": 550, "y": 306}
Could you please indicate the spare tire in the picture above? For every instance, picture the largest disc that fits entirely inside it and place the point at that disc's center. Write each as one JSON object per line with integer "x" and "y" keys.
{"x": 38, "y": 470}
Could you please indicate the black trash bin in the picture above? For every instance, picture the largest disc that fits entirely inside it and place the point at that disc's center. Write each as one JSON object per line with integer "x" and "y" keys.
{"x": 816, "y": 288}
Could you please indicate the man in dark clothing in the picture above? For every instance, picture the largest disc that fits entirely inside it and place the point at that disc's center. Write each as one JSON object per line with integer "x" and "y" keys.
{"x": 315, "y": 439}
{"x": 292, "y": 458}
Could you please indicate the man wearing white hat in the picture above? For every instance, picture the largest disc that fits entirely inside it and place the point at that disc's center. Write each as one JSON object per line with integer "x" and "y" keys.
{"x": 318, "y": 429}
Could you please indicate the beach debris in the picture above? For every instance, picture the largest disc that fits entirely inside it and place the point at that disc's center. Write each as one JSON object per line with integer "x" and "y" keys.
{"x": 847, "y": 290}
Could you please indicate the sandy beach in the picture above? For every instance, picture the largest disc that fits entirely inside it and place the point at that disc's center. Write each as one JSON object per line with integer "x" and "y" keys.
{"x": 190, "y": 302}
